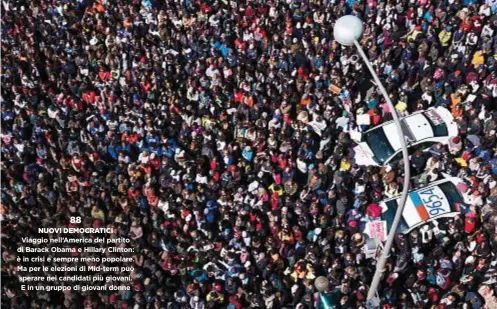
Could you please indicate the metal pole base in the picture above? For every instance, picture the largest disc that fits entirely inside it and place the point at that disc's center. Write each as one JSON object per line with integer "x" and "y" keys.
{"x": 373, "y": 303}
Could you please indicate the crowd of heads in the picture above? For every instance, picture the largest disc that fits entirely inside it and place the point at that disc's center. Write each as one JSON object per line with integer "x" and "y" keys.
{"x": 216, "y": 135}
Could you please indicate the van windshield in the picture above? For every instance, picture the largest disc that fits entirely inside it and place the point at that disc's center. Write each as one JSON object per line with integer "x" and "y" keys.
{"x": 379, "y": 144}
{"x": 390, "y": 214}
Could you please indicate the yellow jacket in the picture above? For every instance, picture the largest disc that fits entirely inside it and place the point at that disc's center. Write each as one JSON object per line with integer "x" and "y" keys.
{"x": 478, "y": 59}
{"x": 412, "y": 36}
{"x": 345, "y": 165}
{"x": 444, "y": 37}
{"x": 401, "y": 106}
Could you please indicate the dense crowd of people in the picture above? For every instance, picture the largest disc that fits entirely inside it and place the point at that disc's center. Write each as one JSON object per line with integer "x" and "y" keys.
{"x": 216, "y": 136}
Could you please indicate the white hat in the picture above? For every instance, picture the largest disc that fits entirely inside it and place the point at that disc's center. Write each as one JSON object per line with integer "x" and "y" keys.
{"x": 295, "y": 288}
{"x": 470, "y": 260}
{"x": 492, "y": 184}
{"x": 253, "y": 186}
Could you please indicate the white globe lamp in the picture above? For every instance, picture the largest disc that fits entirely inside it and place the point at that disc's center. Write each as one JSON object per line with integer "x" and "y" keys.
{"x": 321, "y": 283}
{"x": 348, "y": 29}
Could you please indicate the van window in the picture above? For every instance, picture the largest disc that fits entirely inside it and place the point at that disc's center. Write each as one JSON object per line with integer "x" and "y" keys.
{"x": 390, "y": 214}
{"x": 451, "y": 193}
{"x": 411, "y": 150}
{"x": 438, "y": 126}
{"x": 379, "y": 144}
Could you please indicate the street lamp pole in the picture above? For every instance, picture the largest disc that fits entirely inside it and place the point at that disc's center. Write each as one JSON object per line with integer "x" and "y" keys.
{"x": 348, "y": 30}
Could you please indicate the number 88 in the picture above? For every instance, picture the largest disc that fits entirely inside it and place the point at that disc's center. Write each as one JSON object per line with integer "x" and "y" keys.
{"x": 75, "y": 220}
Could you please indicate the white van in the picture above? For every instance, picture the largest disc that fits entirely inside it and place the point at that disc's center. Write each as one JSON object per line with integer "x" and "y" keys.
{"x": 440, "y": 199}
{"x": 380, "y": 145}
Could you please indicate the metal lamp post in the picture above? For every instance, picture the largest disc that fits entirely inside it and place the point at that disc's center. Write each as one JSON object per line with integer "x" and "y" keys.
{"x": 347, "y": 31}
